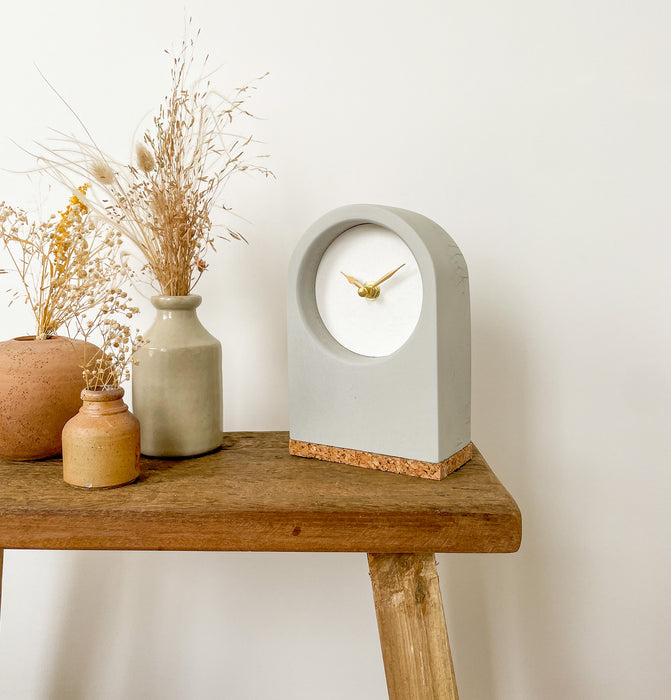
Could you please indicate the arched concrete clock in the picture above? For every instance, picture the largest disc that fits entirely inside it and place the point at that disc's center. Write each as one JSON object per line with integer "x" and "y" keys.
{"x": 379, "y": 343}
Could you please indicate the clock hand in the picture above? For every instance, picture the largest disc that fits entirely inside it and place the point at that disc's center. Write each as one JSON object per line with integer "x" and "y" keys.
{"x": 363, "y": 291}
{"x": 351, "y": 280}
{"x": 370, "y": 290}
{"x": 386, "y": 277}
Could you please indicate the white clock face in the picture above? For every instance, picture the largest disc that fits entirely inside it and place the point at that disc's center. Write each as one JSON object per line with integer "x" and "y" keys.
{"x": 369, "y": 325}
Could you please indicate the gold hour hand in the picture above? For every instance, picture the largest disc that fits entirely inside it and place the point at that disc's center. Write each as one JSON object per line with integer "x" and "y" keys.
{"x": 387, "y": 276}
{"x": 351, "y": 280}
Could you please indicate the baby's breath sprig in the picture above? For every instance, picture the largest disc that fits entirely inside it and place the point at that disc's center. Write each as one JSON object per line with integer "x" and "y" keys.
{"x": 118, "y": 344}
{"x": 163, "y": 202}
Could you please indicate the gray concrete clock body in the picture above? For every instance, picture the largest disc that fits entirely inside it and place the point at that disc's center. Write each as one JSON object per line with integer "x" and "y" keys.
{"x": 414, "y": 403}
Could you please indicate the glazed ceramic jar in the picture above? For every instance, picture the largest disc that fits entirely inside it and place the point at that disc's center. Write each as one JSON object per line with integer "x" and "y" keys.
{"x": 177, "y": 383}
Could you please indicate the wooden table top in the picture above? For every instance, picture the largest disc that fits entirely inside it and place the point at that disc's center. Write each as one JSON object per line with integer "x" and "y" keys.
{"x": 253, "y": 496}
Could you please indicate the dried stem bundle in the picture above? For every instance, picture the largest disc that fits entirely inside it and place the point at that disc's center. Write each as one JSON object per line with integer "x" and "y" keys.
{"x": 64, "y": 263}
{"x": 71, "y": 278}
{"x": 163, "y": 202}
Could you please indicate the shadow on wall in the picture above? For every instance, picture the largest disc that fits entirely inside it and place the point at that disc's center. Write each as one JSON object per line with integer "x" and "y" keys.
{"x": 503, "y": 625}
{"x": 208, "y": 624}
{"x": 133, "y": 620}
{"x": 102, "y": 589}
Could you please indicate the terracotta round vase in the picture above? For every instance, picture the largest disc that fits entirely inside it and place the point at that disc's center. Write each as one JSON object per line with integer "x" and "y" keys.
{"x": 177, "y": 385}
{"x": 40, "y": 384}
{"x": 101, "y": 444}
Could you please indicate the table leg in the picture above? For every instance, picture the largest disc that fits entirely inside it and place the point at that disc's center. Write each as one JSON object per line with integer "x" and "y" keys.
{"x": 2, "y": 552}
{"x": 413, "y": 634}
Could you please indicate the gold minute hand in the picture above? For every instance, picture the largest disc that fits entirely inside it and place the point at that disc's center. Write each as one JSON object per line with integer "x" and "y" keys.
{"x": 351, "y": 280}
{"x": 387, "y": 276}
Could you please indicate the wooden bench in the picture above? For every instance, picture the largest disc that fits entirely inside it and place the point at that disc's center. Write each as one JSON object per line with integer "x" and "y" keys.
{"x": 253, "y": 496}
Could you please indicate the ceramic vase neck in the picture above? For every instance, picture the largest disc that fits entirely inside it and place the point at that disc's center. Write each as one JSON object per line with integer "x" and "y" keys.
{"x": 103, "y": 401}
{"x": 182, "y": 308}
{"x": 176, "y": 316}
{"x": 189, "y": 302}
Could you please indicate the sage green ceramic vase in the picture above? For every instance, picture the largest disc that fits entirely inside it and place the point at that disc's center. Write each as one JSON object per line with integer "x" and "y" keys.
{"x": 177, "y": 384}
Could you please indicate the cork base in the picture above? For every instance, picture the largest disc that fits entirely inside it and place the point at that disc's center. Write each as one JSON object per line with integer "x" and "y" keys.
{"x": 371, "y": 460}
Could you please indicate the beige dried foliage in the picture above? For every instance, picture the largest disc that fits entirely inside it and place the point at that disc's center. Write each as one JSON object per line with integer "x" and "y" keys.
{"x": 164, "y": 203}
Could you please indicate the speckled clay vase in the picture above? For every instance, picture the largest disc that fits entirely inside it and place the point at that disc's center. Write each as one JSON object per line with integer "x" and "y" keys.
{"x": 40, "y": 384}
{"x": 101, "y": 444}
{"x": 177, "y": 386}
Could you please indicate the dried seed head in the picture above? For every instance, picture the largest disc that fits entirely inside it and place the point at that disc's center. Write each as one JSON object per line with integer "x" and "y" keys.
{"x": 102, "y": 172}
{"x": 145, "y": 159}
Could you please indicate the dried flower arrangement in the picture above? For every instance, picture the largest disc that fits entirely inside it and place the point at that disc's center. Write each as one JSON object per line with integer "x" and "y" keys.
{"x": 63, "y": 263}
{"x": 163, "y": 202}
{"x": 71, "y": 278}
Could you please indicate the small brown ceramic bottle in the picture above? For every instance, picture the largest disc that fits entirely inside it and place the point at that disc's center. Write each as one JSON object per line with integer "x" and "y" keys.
{"x": 101, "y": 444}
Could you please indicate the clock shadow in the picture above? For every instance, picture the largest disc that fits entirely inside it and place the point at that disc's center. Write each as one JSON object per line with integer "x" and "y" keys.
{"x": 491, "y": 601}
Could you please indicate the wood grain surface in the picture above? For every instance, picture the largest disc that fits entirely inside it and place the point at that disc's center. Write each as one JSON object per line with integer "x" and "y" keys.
{"x": 413, "y": 634}
{"x": 252, "y": 495}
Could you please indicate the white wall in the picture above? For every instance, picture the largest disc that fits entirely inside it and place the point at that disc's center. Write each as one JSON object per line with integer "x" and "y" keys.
{"x": 537, "y": 134}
